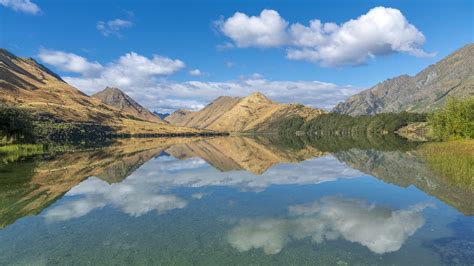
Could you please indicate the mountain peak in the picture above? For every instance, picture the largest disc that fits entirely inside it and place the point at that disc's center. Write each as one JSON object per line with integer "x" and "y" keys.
{"x": 120, "y": 100}
{"x": 258, "y": 97}
{"x": 112, "y": 90}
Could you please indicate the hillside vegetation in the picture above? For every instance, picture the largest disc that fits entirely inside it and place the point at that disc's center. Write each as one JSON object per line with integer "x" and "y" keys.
{"x": 339, "y": 124}
{"x": 454, "y": 120}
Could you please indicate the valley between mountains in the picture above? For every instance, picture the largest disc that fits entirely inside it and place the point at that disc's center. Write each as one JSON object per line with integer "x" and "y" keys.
{"x": 30, "y": 86}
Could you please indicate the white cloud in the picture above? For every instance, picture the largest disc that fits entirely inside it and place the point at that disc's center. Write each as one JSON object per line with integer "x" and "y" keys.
{"x": 378, "y": 228}
{"x": 25, "y": 6}
{"x": 266, "y": 30}
{"x": 130, "y": 69}
{"x": 380, "y": 31}
{"x": 139, "y": 76}
{"x": 69, "y": 62}
{"x": 168, "y": 96}
{"x": 195, "y": 72}
{"x": 113, "y": 27}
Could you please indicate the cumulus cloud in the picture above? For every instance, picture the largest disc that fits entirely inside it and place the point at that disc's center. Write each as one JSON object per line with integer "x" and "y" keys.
{"x": 139, "y": 76}
{"x": 265, "y": 30}
{"x": 380, "y": 31}
{"x": 113, "y": 27}
{"x": 380, "y": 229}
{"x": 168, "y": 96}
{"x": 25, "y": 6}
{"x": 69, "y": 62}
{"x": 131, "y": 69}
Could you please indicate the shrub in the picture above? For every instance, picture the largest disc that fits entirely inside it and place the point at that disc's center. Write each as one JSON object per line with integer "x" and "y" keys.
{"x": 454, "y": 120}
{"x": 16, "y": 124}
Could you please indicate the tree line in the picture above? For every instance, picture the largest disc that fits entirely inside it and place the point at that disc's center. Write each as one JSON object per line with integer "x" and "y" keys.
{"x": 341, "y": 124}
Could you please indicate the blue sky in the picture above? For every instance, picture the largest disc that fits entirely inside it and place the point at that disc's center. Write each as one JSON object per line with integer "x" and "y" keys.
{"x": 231, "y": 56}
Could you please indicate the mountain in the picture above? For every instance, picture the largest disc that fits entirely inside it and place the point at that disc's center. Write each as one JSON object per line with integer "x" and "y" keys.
{"x": 426, "y": 91}
{"x": 205, "y": 117}
{"x": 120, "y": 100}
{"x": 29, "y": 85}
{"x": 161, "y": 115}
{"x": 178, "y": 117}
{"x": 252, "y": 113}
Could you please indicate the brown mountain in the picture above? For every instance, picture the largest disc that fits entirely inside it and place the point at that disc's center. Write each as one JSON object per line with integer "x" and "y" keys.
{"x": 426, "y": 91}
{"x": 120, "y": 100}
{"x": 27, "y": 84}
{"x": 252, "y": 113}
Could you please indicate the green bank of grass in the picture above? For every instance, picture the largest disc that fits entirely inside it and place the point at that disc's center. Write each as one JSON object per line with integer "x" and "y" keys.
{"x": 451, "y": 159}
{"x": 11, "y": 153}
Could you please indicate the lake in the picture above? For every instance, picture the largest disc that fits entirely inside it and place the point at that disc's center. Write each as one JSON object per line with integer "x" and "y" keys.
{"x": 234, "y": 200}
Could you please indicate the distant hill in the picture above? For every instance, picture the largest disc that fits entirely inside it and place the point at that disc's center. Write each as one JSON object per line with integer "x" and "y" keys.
{"x": 120, "y": 100}
{"x": 426, "y": 91}
{"x": 161, "y": 115}
{"x": 27, "y": 84}
{"x": 235, "y": 114}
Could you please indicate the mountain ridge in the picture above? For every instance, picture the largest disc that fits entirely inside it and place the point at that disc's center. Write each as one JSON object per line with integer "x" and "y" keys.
{"x": 253, "y": 113}
{"x": 426, "y": 91}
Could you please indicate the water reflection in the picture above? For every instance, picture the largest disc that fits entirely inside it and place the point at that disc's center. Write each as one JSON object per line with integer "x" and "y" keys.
{"x": 135, "y": 170}
{"x": 381, "y": 229}
{"x": 149, "y": 187}
{"x": 258, "y": 196}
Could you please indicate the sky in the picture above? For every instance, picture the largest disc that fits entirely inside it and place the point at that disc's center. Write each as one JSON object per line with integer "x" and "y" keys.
{"x": 178, "y": 54}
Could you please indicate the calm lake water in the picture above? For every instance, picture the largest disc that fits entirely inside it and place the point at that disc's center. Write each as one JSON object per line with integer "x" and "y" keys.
{"x": 233, "y": 200}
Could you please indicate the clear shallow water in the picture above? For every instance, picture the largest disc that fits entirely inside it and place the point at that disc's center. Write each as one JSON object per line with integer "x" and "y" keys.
{"x": 232, "y": 201}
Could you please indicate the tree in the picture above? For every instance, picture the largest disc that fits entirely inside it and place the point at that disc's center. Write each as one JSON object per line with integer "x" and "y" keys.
{"x": 16, "y": 124}
{"x": 454, "y": 120}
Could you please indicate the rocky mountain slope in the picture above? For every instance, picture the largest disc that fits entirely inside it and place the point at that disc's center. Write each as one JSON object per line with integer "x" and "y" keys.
{"x": 426, "y": 91}
{"x": 252, "y": 113}
{"x": 120, "y": 100}
{"x": 27, "y": 84}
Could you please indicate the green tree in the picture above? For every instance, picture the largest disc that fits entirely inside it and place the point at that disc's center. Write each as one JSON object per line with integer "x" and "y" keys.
{"x": 454, "y": 120}
{"x": 16, "y": 124}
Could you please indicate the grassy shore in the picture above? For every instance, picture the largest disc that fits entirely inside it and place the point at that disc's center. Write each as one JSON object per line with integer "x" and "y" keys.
{"x": 10, "y": 153}
{"x": 452, "y": 159}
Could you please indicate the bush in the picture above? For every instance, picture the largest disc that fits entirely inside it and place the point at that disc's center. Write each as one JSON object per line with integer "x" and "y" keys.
{"x": 454, "y": 120}
{"x": 16, "y": 124}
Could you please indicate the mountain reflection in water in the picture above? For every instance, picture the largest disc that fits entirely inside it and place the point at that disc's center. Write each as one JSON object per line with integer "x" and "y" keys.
{"x": 138, "y": 177}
